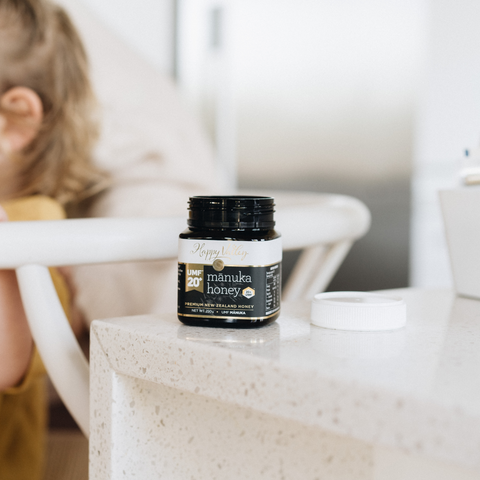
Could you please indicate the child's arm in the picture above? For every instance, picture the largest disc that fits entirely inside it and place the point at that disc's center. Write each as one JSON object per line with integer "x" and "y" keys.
{"x": 16, "y": 341}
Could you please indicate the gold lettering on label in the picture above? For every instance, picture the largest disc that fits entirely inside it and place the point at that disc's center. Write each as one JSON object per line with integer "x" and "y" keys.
{"x": 194, "y": 277}
{"x": 231, "y": 250}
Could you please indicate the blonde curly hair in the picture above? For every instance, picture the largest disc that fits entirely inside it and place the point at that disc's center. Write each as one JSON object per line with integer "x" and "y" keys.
{"x": 41, "y": 49}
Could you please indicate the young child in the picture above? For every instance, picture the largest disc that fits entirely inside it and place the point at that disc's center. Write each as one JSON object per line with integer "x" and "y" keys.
{"x": 46, "y": 135}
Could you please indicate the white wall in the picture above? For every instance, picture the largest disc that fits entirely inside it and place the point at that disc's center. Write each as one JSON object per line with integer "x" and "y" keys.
{"x": 327, "y": 88}
{"x": 321, "y": 88}
{"x": 448, "y": 123}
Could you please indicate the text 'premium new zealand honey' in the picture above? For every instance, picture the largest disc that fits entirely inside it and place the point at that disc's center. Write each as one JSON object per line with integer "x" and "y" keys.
{"x": 229, "y": 263}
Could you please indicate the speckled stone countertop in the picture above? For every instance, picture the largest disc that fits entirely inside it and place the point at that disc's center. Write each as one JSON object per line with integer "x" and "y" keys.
{"x": 416, "y": 389}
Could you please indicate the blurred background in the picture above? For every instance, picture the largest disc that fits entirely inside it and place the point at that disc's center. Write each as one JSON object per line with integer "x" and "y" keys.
{"x": 376, "y": 99}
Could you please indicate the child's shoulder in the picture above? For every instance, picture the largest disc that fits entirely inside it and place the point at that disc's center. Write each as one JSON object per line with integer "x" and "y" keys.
{"x": 35, "y": 207}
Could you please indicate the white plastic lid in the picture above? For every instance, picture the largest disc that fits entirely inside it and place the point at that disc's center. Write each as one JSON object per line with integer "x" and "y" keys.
{"x": 359, "y": 311}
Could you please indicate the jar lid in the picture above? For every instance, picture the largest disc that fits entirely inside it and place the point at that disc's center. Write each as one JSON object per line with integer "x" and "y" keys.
{"x": 231, "y": 212}
{"x": 360, "y": 311}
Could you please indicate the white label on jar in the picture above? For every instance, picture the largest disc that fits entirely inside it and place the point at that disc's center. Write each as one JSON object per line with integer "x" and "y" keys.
{"x": 230, "y": 252}
{"x": 229, "y": 279}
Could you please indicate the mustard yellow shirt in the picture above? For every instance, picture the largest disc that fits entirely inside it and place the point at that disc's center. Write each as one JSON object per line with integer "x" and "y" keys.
{"x": 23, "y": 409}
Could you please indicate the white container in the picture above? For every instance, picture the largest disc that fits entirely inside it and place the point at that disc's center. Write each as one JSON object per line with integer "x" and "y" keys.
{"x": 461, "y": 215}
{"x": 358, "y": 311}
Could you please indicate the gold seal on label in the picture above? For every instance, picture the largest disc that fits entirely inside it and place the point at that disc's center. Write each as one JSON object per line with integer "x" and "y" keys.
{"x": 218, "y": 265}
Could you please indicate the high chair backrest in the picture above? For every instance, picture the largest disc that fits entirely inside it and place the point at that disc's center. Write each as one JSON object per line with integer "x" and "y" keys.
{"x": 323, "y": 226}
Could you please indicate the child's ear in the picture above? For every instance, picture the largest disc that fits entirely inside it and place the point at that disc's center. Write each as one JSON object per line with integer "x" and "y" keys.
{"x": 20, "y": 118}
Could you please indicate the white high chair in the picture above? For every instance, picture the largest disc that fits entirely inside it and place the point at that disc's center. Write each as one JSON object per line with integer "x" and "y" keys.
{"x": 323, "y": 226}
